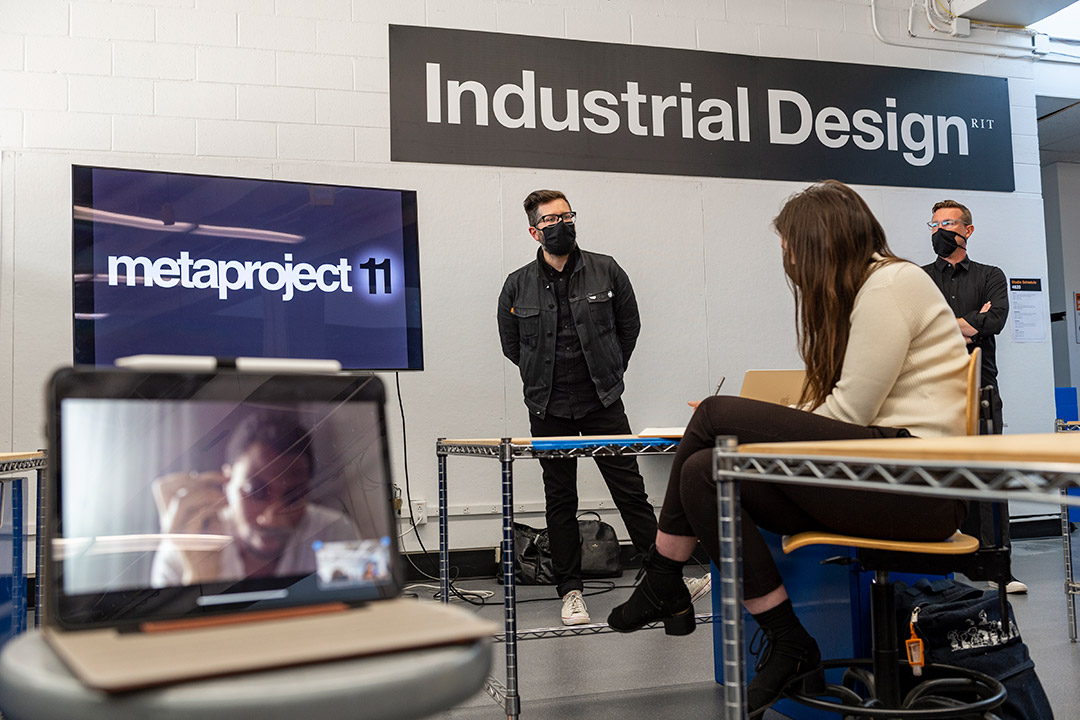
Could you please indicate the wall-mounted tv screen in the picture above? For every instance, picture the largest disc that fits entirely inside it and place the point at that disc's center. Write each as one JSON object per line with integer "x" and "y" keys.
{"x": 177, "y": 264}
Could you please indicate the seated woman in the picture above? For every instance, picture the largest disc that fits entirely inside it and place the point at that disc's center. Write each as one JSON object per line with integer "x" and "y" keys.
{"x": 884, "y": 358}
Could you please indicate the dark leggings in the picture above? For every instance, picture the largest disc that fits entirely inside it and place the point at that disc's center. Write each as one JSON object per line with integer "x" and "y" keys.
{"x": 690, "y": 503}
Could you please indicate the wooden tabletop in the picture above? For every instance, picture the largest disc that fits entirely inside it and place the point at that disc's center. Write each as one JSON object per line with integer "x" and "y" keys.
{"x": 1005, "y": 449}
{"x": 12, "y": 456}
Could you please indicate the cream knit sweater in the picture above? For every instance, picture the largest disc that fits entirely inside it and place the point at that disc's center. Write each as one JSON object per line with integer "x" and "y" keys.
{"x": 906, "y": 363}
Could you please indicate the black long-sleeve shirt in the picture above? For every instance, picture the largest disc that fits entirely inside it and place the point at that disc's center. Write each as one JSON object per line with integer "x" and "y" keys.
{"x": 968, "y": 286}
{"x": 573, "y": 394}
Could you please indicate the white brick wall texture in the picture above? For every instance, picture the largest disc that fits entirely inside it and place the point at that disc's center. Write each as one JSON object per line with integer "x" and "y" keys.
{"x": 32, "y": 91}
{"x": 659, "y": 31}
{"x": 372, "y": 145}
{"x": 62, "y": 54}
{"x": 816, "y": 14}
{"x": 315, "y": 71}
{"x": 371, "y": 74}
{"x": 400, "y": 12}
{"x": 68, "y": 130}
{"x": 759, "y": 12}
{"x": 11, "y": 51}
{"x": 719, "y": 36}
{"x": 195, "y": 99}
{"x": 351, "y": 38}
{"x": 235, "y": 65}
{"x": 153, "y": 135}
{"x": 121, "y": 96}
{"x": 597, "y": 25}
{"x": 525, "y": 19}
{"x": 276, "y": 104}
{"x": 790, "y": 42}
{"x": 464, "y": 14}
{"x": 356, "y": 109}
{"x": 316, "y": 142}
{"x": 41, "y": 17}
{"x": 196, "y": 27}
{"x": 336, "y": 10}
{"x": 11, "y": 128}
{"x": 844, "y": 47}
{"x": 114, "y": 22}
{"x": 263, "y": 7}
{"x": 275, "y": 33}
{"x": 158, "y": 3}
{"x": 236, "y": 138}
{"x": 162, "y": 61}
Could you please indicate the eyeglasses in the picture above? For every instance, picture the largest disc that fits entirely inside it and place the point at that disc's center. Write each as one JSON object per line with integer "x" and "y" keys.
{"x": 944, "y": 224}
{"x": 566, "y": 217}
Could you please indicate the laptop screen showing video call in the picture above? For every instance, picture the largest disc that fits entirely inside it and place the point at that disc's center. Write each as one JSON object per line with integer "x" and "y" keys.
{"x": 192, "y": 504}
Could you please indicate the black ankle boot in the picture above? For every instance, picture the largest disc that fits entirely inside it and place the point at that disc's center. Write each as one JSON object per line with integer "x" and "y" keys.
{"x": 661, "y": 594}
{"x": 786, "y": 651}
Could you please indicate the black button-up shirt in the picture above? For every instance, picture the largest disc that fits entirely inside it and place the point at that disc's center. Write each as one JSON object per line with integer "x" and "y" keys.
{"x": 573, "y": 394}
{"x": 968, "y": 286}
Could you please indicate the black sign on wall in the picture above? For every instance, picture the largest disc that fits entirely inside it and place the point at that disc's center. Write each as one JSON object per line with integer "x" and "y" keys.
{"x": 477, "y": 98}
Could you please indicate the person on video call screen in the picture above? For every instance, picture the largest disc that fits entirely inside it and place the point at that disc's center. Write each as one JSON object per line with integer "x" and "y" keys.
{"x": 253, "y": 515}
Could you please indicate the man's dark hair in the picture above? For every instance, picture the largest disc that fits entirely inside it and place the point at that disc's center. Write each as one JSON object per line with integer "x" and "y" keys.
{"x": 280, "y": 430}
{"x": 965, "y": 214}
{"x": 538, "y": 198}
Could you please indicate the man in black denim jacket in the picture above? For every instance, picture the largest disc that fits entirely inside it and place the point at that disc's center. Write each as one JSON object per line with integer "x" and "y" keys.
{"x": 569, "y": 321}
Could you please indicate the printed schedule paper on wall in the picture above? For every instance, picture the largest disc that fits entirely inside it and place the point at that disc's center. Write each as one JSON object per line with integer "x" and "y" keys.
{"x": 1028, "y": 309}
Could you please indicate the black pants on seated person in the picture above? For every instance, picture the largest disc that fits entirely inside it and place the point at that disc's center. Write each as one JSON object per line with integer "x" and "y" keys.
{"x": 690, "y": 503}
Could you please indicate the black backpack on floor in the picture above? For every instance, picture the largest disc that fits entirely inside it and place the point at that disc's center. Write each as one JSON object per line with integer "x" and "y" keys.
{"x": 959, "y": 626}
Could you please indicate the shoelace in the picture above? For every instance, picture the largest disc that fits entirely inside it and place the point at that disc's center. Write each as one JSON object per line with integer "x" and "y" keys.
{"x": 760, "y": 647}
{"x": 577, "y": 604}
{"x": 763, "y": 641}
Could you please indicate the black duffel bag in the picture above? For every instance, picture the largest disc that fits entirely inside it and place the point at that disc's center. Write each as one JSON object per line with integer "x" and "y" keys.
{"x": 532, "y": 552}
{"x": 959, "y": 626}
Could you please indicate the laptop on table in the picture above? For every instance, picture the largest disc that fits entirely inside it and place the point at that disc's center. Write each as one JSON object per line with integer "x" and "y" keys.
{"x": 203, "y": 524}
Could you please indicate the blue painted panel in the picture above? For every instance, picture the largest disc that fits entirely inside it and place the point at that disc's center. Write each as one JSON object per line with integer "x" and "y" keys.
{"x": 1065, "y": 401}
{"x": 585, "y": 442}
{"x": 12, "y": 575}
{"x": 823, "y": 596}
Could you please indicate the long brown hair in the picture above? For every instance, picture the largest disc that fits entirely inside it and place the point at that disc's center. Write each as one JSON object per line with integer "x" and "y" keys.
{"x": 829, "y": 236}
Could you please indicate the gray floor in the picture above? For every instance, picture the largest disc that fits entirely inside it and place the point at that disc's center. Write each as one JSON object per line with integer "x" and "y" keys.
{"x": 650, "y": 675}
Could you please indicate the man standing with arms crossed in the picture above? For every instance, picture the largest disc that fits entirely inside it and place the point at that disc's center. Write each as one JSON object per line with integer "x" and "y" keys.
{"x": 569, "y": 321}
{"x": 979, "y": 297}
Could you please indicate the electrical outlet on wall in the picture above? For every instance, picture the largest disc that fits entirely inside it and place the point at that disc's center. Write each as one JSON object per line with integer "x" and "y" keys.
{"x": 419, "y": 512}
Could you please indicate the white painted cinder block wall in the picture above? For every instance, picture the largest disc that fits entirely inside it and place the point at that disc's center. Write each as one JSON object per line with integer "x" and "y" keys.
{"x": 298, "y": 90}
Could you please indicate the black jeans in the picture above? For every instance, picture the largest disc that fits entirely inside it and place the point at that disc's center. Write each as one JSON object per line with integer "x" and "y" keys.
{"x": 561, "y": 497}
{"x": 690, "y": 503}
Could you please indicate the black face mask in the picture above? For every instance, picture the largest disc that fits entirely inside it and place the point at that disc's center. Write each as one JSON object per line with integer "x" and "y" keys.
{"x": 560, "y": 238}
{"x": 944, "y": 242}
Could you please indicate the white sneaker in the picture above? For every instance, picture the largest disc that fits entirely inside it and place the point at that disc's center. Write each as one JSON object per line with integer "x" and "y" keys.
{"x": 1015, "y": 587}
{"x": 574, "y": 611}
{"x": 699, "y": 587}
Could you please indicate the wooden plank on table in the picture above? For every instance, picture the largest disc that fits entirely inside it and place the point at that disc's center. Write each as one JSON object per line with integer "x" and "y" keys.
{"x": 13, "y": 456}
{"x": 1005, "y": 449}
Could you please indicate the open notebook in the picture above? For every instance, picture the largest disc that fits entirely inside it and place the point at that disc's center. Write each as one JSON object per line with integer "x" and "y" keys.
{"x": 202, "y": 524}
